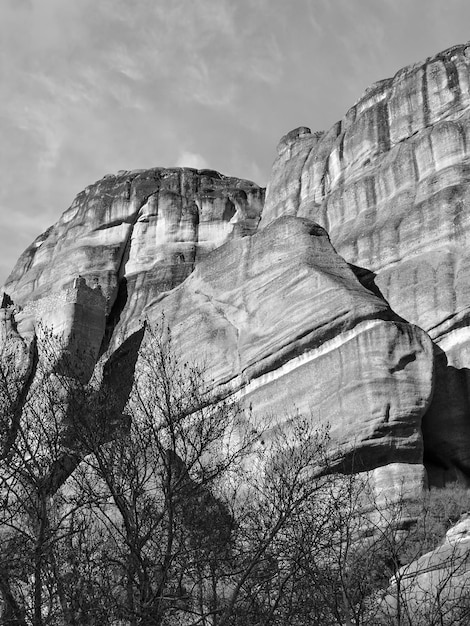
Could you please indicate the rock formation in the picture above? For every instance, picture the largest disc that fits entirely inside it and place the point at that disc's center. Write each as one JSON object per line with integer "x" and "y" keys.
{"x": 436, "y": 584}
{"x": 16, "y": 364}
{"x": 279, "y": 319}
{"x": 389, "y": 182}
{"x": 73, "y": 302}
{"x": 282, "y": 320}
{"x": 48, "y": 353}
{"x": 136, "y": 235}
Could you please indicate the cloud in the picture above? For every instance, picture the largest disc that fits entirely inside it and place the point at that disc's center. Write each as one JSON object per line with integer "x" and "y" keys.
{"x": 125, "y": 63}
{"x": 192, "y": 159}
{"x": 267, "y": 65}
{"x": 19, "y": 4}
{"x": 203, "y": 85}
{"x": 93, "y": 87}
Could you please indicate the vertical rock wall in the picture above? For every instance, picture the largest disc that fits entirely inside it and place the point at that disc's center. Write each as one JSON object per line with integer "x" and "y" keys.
{"x": 136, "y": 235}
{"x": 282, "y": 321}
{"x": 390, "y": 183}
{"x": 73, "y": 302}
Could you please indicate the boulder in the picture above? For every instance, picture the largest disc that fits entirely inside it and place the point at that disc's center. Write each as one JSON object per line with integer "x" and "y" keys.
{"x": 433, "y": 589}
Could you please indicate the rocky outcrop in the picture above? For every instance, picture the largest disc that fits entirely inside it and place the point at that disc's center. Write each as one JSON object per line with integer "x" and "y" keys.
{"x": 51, "y": 383}
{"x": 136, "y": 235}
{"x": 278, "y": 317}
{"x": 433, "y": 589}
{"x": 16, "y": 365}
{"x": 390, "y": 183}
{"x": 74, "y": 299}
{"x": 281, "y": 320}
{"x": 74, "y": 318}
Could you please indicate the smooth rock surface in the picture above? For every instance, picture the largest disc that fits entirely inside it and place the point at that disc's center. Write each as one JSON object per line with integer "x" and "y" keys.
{"x": 434, "y": 588}
{"x": 75, "y": 291}
{"x": 281, "y": 320}
{"x": 390, "y": 183}
{"x": 136, "y": 235}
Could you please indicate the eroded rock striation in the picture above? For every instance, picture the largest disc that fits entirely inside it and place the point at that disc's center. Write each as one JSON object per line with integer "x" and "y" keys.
{"x": 281, "y": 320}
{"x": 72, "y": 305}
{"x": 285, "y": 319}
{"x": 277, "y": 315}
{"x": 390, "y": 183}
{"x": 136, "y": 235}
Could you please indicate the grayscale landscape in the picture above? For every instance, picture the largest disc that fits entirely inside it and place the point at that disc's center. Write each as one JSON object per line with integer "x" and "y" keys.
{"x": 234, "y": 393}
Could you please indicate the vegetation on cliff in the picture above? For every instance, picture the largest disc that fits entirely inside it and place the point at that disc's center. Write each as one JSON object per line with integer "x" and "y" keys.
{"x": 181, "y": 514}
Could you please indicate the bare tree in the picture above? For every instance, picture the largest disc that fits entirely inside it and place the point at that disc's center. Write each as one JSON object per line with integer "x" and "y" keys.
{"x": 430, "y": 580}
{"x": 33, "y": 465}
{"x": 170, "y": 533}
{"x": 180, "y": 510}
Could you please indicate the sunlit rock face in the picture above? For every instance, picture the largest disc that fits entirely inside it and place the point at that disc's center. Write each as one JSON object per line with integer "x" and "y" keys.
{"x": 136, "y": 235}
{"x": 281, "y": 320}
{"x": 75, "y": 292}
{"x": 390, "y": 183}
{"x": 49, "y": 350}
{"x": 277, "y": 316}
{"x": 434, "y": 587}
{"x": 75, "y": 319}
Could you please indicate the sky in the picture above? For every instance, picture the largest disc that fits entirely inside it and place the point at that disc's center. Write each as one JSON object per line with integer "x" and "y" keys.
{"x": 90, "y": 87}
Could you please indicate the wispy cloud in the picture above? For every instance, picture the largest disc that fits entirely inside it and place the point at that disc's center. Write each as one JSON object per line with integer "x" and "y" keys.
{"x": 202, "y": 85}
{"x": 268, "y": 65}
{"x": 191, "y": 159}
{"x": 92, "y": 87}
{"x": 123, "y": 61}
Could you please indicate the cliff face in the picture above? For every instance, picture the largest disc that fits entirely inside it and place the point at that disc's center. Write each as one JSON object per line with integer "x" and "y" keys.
{"x": 136, "y": 235}
{"x": 389, "y": 182}
{"x": 282, "y": 320}
{"x": 72, "y": 306}
{"x": 288, "y": 321}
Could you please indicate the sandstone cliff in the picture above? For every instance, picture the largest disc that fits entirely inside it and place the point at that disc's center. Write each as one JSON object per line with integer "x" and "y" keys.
{"x": 278, "y": 317}
{"x": 389, "y": 182}
{"x": 136, "y": 235}
{"x": 281, "y": 318}
{"x": 76, "y": 291}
